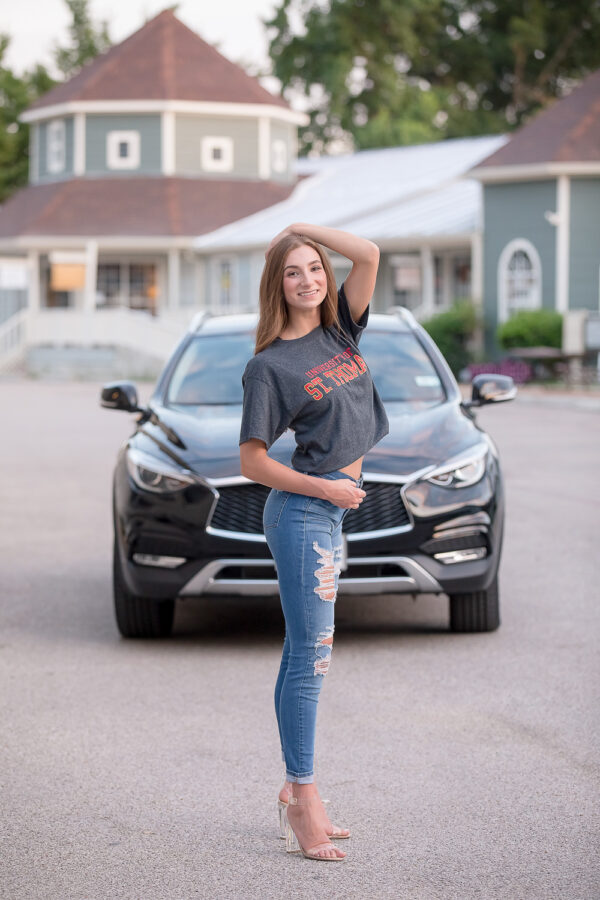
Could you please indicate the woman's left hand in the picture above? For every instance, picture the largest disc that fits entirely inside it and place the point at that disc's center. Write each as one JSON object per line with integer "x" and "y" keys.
{"x": 277, "y": 238}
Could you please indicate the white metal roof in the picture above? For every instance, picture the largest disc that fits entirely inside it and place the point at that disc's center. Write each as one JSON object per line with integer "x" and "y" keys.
{"x": 381, "y": 194}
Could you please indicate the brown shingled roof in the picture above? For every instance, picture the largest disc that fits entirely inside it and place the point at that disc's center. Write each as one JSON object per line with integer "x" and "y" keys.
{"x": 144, "y": 207}
{"x": 566, "y": 131}
{"x": 164, "y": 60}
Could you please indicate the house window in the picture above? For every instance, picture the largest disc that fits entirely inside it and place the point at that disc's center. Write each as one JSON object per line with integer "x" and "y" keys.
{"x": 143, "y": 290}
{"x": 461, "y": 277}
{"x": 123, "y": 149}
{"x": 407, "y": 280}
{"x": 217, "y": 154}
{"x": 279, "y": 159}
{"x": 108, "y": 285}
{"x": 55, "y": 146}
{"x": 225, "y": 284}
{"x": 519, "y": 278}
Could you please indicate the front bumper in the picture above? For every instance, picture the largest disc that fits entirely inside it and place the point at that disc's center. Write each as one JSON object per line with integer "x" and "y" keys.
{"x": 236, "y": 576}
{"x": 216, "y": 561}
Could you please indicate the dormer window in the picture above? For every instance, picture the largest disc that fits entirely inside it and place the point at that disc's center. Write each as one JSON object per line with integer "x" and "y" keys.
{"x": 217, "y": 154}
{"x": 55, "y": 146}
{"x": 123, "y": 149}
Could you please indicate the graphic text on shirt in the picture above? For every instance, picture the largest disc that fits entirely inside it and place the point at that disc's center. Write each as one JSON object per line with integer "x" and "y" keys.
{"x": 341, "y": 374}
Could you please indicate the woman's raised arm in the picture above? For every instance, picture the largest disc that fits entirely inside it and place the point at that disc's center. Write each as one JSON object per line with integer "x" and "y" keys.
{"x": 364, "y": 255}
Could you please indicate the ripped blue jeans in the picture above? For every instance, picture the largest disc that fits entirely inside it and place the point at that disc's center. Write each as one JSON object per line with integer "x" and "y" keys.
{"x": 304, "y": 535}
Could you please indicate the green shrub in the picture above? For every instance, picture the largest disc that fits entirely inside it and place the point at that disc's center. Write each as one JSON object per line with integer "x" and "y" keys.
{"x": 452, "y": 330}
{"x": 531, "y": 328}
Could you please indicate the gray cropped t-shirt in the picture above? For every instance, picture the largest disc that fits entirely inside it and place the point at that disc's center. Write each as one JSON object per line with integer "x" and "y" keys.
{"x": 319, "y": 386}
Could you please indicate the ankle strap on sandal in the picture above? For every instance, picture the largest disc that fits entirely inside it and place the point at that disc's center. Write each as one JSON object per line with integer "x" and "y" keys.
{"x": 302, "y": 801}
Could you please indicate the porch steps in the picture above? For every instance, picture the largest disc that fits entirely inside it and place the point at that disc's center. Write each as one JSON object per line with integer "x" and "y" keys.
{"x": 67, "y": 343}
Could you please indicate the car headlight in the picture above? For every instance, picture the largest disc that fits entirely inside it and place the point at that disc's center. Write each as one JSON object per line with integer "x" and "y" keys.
{"x": 152, "y": 474}
{"x": 461, "y": 471}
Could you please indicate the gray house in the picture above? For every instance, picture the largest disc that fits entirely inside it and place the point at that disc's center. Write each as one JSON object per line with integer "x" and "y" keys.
{"x": 541, "y": 212}
{"x": 156, "y": 141}
{"x": 415, "y": 202}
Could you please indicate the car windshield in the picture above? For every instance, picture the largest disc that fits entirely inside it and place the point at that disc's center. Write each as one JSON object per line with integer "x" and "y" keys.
{"x": 210, "y": 369}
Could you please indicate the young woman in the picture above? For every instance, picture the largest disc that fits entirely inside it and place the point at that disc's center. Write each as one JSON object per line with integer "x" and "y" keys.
{"x": 307, "y": 374}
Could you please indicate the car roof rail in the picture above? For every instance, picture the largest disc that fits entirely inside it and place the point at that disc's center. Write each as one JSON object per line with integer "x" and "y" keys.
{"x": 198, "y": 320}
{"x": 403, "y": 313}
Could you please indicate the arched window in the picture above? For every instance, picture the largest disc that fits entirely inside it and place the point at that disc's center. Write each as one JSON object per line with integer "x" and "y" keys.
{"x": 519, "y": 278}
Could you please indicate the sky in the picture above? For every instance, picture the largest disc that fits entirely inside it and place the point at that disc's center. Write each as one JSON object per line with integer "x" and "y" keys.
{"x": 234, "y": 26}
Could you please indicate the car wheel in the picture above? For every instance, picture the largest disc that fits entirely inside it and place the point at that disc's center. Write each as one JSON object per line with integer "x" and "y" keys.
{"x": 476, "y": 611}
{"x": 139, "y": 617}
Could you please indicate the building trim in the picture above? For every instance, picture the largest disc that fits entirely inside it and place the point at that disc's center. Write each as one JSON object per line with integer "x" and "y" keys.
{"x": 562, "y": 220}
{"x": 117, "y": 242}
{"x": 459, "y": 241}
{"x": 190, "y": 107}
{"x": 79, "y": 144}
{"x": 533, "y": 171}
{"x": 264, "y": 148}
{"x": 167, "y": 137}
{"x": 477, "y": 268}
{"x": 427, "y": 307}
{"x": 34, "y": 145}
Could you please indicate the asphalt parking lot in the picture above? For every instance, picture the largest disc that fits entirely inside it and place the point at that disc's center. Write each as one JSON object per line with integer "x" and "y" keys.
{"x": 467, "y": 766}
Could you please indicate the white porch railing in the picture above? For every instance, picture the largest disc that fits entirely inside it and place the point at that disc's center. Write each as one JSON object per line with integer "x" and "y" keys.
{"x": 13, "y": 337}
{"x": 122, "y": 327}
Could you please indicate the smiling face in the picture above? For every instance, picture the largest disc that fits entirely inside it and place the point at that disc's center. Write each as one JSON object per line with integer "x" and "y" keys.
{"x": 304, "y": 278}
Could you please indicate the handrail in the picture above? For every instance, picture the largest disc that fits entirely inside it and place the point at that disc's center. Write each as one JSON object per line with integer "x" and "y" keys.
{"x": 13, "y": 333}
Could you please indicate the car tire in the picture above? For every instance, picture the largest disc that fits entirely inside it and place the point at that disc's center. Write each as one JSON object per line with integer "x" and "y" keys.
{"x": 476, "y": 611}
{"x": 139, "y": 617}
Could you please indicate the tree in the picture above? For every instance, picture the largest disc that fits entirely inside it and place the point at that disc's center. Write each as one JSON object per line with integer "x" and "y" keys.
{"x": 380, "y": 73}
{"x": 19, "y": 92}
{"x": 16, "y": 94}
{"x": 87, "y": 40}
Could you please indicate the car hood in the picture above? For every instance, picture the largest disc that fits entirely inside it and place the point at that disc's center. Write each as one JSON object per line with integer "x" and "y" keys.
{"x": 419, "y": 436}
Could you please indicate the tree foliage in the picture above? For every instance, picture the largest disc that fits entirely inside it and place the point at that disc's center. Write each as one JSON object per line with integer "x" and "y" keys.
{"x": 531, "y": 328}
{"x": 17, "y": 92}
{"x": 87, "y": 40}
{"x": 378, "y": 73}
{"x": 453, "y": 331}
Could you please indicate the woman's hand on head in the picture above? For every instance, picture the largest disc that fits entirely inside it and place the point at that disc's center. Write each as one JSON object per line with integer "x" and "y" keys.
{"x": 278, "y": 237}
{"x": 344, "y": 492}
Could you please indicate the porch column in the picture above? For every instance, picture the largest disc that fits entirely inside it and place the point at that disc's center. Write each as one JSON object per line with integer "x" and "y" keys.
{"x": 264, "y": 147}
{"x": 91, "y": 276}
{"x": 428, "y": 283}
{"x": 173, "y": 279}
{"x": 477, "y": 269}
{"x": 447, "y": 290}
{"x": 33, "y": 260}
{"x": 478, "y": 343}
{"x": 168, "y": 142}
{"x": 79, "y": 144}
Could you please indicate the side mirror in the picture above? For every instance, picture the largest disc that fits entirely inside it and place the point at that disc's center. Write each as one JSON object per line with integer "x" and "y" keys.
{"x": 491, "y": 389}
{"x": 120, "y": 395}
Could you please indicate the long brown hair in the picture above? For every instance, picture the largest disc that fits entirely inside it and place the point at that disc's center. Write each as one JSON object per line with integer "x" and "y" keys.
{"x": 273, "y": 311}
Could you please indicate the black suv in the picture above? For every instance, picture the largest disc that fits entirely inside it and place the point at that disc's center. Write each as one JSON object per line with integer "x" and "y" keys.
{"x": 186, "y": 522}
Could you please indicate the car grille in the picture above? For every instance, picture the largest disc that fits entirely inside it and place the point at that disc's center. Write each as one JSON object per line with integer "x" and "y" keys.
{"x": 240, "y": 509}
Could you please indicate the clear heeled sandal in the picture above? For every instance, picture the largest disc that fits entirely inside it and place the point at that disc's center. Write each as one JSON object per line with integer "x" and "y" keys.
{"x": 293, "y": 845}
{"x": 337, "y": 833}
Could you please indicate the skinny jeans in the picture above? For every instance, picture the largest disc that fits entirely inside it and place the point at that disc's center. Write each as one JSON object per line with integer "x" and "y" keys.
{"x": 304, "y": 535}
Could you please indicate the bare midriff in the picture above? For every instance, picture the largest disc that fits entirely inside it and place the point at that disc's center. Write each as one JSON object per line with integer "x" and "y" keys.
{"x": 354, "y": 469}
